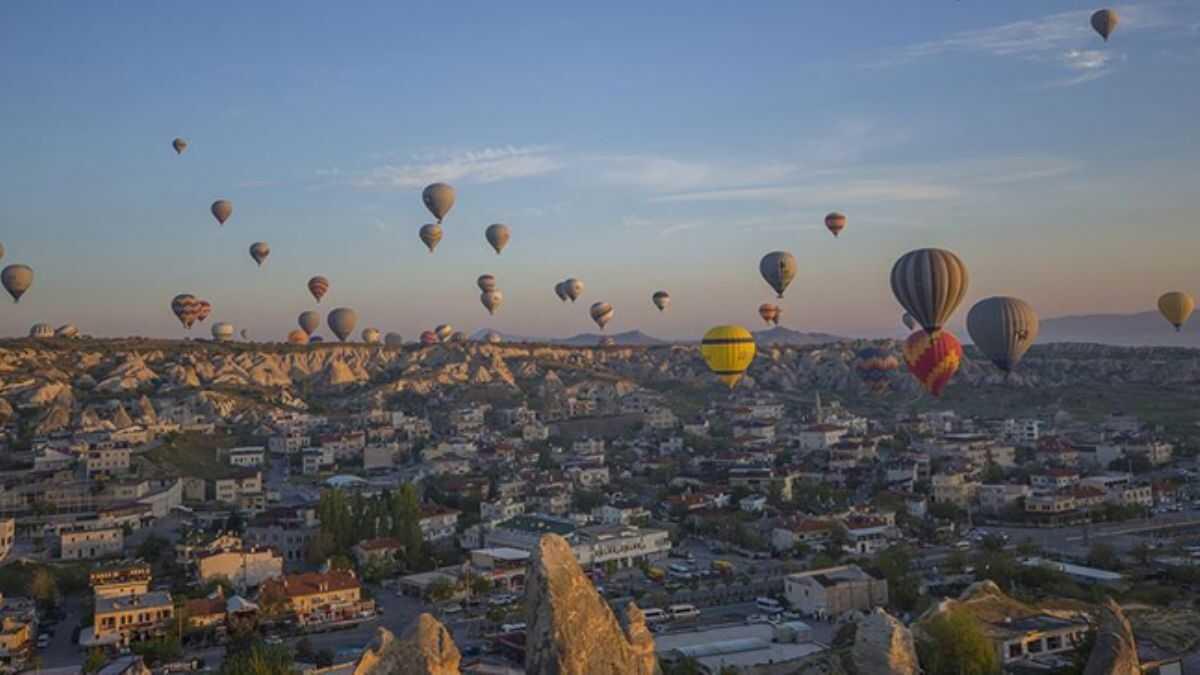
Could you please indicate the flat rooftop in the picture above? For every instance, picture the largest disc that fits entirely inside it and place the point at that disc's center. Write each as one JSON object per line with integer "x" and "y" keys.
{"x": 739, "y": 646}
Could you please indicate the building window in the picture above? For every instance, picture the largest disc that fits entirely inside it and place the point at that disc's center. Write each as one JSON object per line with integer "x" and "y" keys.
{"x": 1036, "y": 646}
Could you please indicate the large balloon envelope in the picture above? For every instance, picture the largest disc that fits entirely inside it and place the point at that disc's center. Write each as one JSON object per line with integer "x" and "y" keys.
{"x": 17, "y": 279}
{"x": 661, "y": 300}
{"x": 929, "y": 283}
{"x": 601, "y": 313}
{"x": 222, "y": 331}
{"x": 728, "y": 351}
{"x": 498, "y": 235}
{"x": 341, "y": 321}
{"x": 1176, "y": 307}
{"x": 573, "y": 288}
{"x": 933, "y": 359}
{"x": 875, "y": 366}
{"x": 769, "y": 313}
{"x": 41, "y": 331}
{"x": 486, "y": 282}
{"x": 203, "y": 309}
{"x": 491, "y": 300}
{"x": 1003, "y": 329}
{"x": 1104, "y": 22}
{"x": 184, "y": 308}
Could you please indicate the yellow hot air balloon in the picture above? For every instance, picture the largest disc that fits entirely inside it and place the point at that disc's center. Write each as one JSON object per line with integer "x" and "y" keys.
{"x": 1176, "y": 307}
{"x": 728, "y": 351}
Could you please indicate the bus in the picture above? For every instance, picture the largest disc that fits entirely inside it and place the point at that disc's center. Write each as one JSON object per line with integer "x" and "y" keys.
{"x": 655, "y": 615}
{"x": 769, "y": 605}
{"x": 679, "y": 612}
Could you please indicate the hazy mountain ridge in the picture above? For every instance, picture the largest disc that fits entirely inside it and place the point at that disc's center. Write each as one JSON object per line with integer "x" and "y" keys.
{"x": 1134, "y": 330}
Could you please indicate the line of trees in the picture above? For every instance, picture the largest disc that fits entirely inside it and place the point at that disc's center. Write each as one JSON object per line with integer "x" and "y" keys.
{"x": 348, "y": 518}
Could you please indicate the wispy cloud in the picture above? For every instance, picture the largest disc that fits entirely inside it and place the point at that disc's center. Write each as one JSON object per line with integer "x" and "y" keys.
{"x": 1060, "y": 40}
{"x": 664, "y": 228}
{"x": 489, "y": 165}
{"x": 824, "y": 193}
{"x": 667, "y": 174}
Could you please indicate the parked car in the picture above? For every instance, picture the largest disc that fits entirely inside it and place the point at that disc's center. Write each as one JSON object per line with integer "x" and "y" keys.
{"x": 756, "y": 618}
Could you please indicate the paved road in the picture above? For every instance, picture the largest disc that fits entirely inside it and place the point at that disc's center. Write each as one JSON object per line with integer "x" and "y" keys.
{"x": 1076, "y": 540}
{"x": 61, "y": 651}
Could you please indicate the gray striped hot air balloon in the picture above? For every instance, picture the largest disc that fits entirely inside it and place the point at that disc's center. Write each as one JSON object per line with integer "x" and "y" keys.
{"x": 309, "y": 322}
{"x": 1003, "y": 329}
{"x": 601, "y": 313}
{"x": 498, "y": 235}
{"x": 17, "y": 279}
{"x": 491, "y": 300}
{"x": 661, "y": 300}
{"x": 560, "y": 289}
{"x": 929, "y": 283}
{"x": 439, "y": 199}
{"x": 778, "y": 268}
{"x": 486, "y": 282}
{"x": 222, "y": 331}
{"x": 573, "y": 288}
{"x": 41, "y": 331}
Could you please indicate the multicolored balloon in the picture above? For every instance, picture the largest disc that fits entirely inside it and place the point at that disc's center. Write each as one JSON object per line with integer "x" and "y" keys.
{"x": 486, "y": 282}
{"x": 430, "y": 235}
{"x": 41, "y": 331}
{"x": 491, "y": 300}
{"x": 318, "y": 286}
{"x": 494, "y": 338}
{"x": 875, "y": 366}
{"x": 429, "y": 337}
{"x": 601, "y": 313}
{"x": 770, "y": 313}
{"x": 203, "y": 309}
{"x": 835, "y": 222}
{"x": 180, "y": 145}
{"x": 443, "y": 332}
{"x": 372, "y": 336}
{"x": 222, "y": 331}
{"x": 728, "y": 351}
{"x": 1104, "y": 22}
{"x": 933, "y": 359}
{"x": 185, "y": 308}
{"x": 66, "y": 331}
{"x": 573, "y": 288}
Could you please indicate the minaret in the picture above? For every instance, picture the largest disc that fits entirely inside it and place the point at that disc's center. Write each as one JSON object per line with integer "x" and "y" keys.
{"x": 820, "y": 416}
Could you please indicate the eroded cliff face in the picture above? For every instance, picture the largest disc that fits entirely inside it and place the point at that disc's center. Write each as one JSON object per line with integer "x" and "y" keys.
{"x": 571, "y": 630}
{"x": 1115, "y": 651}
{"x": 426, "y": 649}
{"x": 883, "y": 645}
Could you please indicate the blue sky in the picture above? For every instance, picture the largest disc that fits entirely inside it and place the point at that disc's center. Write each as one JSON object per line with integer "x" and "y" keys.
{"x": 633, "y": 147}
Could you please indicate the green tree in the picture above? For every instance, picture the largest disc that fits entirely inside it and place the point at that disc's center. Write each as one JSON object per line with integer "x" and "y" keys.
{"x": 305, "y": 650}
{"x": 1142, "y": 553}
{"x": 43, "y": 587}
{"x": 261, "y": 659}
{"x": 441, "y": 590}
{"x": 1103, "y": 556}
{"x": 481, "y": 585}
{"x": 956, "y": 645}
{"x": 95, "y": 660}
{"x": 153, "y": 549}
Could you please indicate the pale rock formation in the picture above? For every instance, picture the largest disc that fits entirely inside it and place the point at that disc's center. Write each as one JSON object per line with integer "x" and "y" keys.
{"x": 1115, "y": 651}
{"x": 426, "y": 649}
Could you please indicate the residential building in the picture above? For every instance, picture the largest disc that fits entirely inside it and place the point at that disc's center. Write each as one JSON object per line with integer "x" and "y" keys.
{"x": 245, "y": 568}
{"x": 622, "y": 545}
{"x": 121, "y": 620}
{"x": 1018, "y": 639}
{"x": 807, "y": 531}
{"x": 438, "y": 523}
{"x": 320, "y": 597}
{"x": 820, "y": 436}
{"x": 504, "y": 567}
{"x": 500, "y": 510}
{"x": 247, "y": 457}
{"x": 120, "y": 579}
{"x": 953, "y": 488}
{"x": 1054, "y": 479}
{"x": 834, "y": 591}
{"x": 380, "y": 550}
{"x": 107, "y": 462}
{"x": 316, "y": 460}
{"x": 91, "y": 544}
{"x": 1002, "y": 496}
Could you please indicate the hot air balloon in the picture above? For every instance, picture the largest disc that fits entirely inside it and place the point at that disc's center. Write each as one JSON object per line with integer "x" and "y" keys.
{"x": 573, "y": 288}
{"x": 1003, "y": 329}
{"x": 245, "y": 334}
{"x": 560, "y": 289}
{"x": 661, "y": 299}
{"x": 778, "y": 268}
{"x": 728, "y": 351}
{"x": 909, "y": 322}
{"x": 297, "y": 337}
{"x": 769, "y": 313}
{"x": 66, "y": 331}
{"x": 429, "y": 338}
{"x": 341, "y": 321}
{"x": 222, "y": 331}
{"x": 439, "y": 199}
{"x": 458, "y": 336}
{"x": 498, "y": 235}
{"x": 316, "y": 339}
{"x": 929, "y": 283}
{"x": 309, "y": 322}
{"x": 1, "y": 251}
{"x": 486, "y": 282}
{"x": 203, "y": 309}
{"x": 318, "y": 286}
{"x": 601, "y": 313}
{"x": 184, "y": 307}
{"x": 221, "y": 210}
{"x": 371, "y": 336}
{"x": 493, "y": 337}
{"x": 180, "y": 145}
{"x": 1176, "y": 307}
{"x": 444, "y": 331}
{"x": 17, "y": 279}
{"x": 431, "y": 234}
{"x": 491, "y": 300}
{"x": 1104, "y": 22}
{"x": 41, "y": 331}
{"x": 393, "y": 340}
{"x": 835, "y": 222}
{"x": 875, "y": 366}
{"x": 259, "y": 251}
{"x": 933, "y": 358}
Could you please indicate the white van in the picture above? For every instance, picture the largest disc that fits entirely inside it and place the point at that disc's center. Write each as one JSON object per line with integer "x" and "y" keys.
{"x": 655, "y": 615}
{"x": 511, "y": 627}
{"x": 769, "y": 605}
{"x": 683, "y": 612}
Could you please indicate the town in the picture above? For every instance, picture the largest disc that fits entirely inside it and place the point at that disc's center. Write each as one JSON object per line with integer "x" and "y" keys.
{"x": 150, "y": 526}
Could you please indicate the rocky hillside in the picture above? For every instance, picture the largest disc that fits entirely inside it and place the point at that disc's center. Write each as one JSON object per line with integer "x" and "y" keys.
{"x": 62, "y": 381}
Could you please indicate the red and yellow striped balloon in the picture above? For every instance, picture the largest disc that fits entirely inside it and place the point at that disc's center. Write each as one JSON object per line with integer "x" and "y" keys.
{"x": 933, "y": 360}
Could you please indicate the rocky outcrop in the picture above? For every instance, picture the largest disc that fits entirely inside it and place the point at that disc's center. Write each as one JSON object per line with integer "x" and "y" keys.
{"x": 426, "y": 649}
{"x": 1115, "y": 651}
{"x": 571, "y": 630}
{"x": 883, "y": 645}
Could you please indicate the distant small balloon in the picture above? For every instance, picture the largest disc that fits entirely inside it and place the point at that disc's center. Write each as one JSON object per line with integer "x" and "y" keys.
{"x": 17, "y": 279}
{"x": 341, "y": 321}
{"x": 429, "y": 337}
{"x": 486, "y": 282}
{"x": 66, "y": 331}
{"x": 180, "y": 145}
{"x": 494, "y": 338}
{"x": 439, "y": 199}
{"x": 778, "y": 268}
{"x": 498, "y": 235}
{"x": 444, "y": 331}
{"x": 318, "y": 286}
{"x": 259, "y": 251}
{"x": 491, "y": 300}
{"x": 661, "y": 300}
{"x": 41, "y": 331}
{"x": 309, "y": 322}
{"x": 431, "y": 234}
{"x": 221, "y": 210}
{"x": 560, "y": 289}
{"x": 458, "y": 336}
{"x": 769, "y": 313}
{"x": 835, "y": 222}
{"x": 393, "y": 340}
{"x": 203, "y": 309}
{"x": 245, "y": 334}
{"x": 601, "y": 313}
{"x": 222, "y": 331}
{"x": 371, "y": 336}
{"x": 1104, "y": 22}
{"x": 573, "y": 288}
{"x": 184, "y": 306}
{"x": 297, "y": 337}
